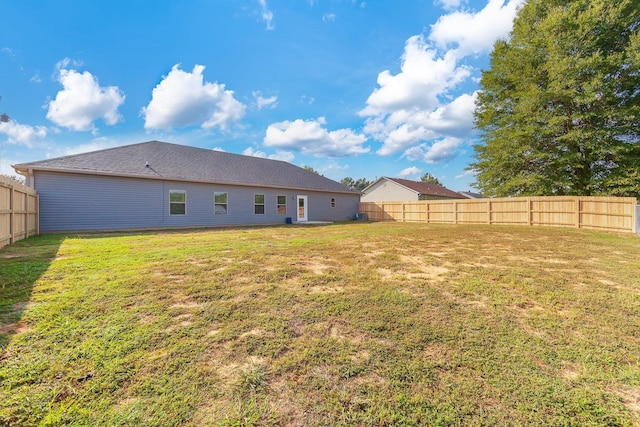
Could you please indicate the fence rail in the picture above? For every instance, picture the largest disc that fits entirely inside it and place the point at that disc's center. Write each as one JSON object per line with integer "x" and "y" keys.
{"x": 601, "y": 213}
{"x": 18, "y": 212}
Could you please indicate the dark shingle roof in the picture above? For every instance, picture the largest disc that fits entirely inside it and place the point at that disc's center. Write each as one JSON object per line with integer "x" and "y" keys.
{"x": 427, "y": 189}
{"x": 471, "y": 195}
{"x": 183, "y": 163}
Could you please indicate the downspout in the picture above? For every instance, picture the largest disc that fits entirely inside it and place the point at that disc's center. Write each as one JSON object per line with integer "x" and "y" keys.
{"x": 28, "y": 177}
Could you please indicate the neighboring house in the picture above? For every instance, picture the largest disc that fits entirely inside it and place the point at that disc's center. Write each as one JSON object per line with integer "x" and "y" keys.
{"x": 471, "y": 195}
{"x": 388, "y": 189}
{"x": 160, "y": 185}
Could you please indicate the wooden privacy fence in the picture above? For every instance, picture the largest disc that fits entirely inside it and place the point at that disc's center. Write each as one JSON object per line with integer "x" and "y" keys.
{"x": 602, "y": 213}
{"x": 18, "y": 211}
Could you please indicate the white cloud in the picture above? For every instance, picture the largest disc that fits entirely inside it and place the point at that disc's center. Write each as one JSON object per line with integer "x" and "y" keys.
{"x": 405, "y": 128}
{"x": 410, "y": 172}
{"x": 184, "y": 99}
{"x": 82, "y": 100}
{"x": 266, "y": 15}
{"x": 441, "y": 150}
{"x": 219, "y": 149}
{"x": 310, "y": 137}
{"x": 467, "y": 173}
{"x": 475, "y": 32}
{"x": 249, "y": 151}
{"x": 329, "y": 17}
{"x": 399, "y": 138}
{"x": 6, "y": 169}
{"x": 423, "y": 77}
{"x": 450, "y": 4}
{"x": 304, "y": 99}
{"x": 262, "y": 102}
{"x": 411, "y": 109}
{"x": 332, "y": 169}
{"x": 285, "y": 156}
{"x": 96, "y": 145}
{"x": 22, "y": 134}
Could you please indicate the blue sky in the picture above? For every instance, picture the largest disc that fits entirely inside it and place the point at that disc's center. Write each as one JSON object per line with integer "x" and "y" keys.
{"x": 349, "y": 87}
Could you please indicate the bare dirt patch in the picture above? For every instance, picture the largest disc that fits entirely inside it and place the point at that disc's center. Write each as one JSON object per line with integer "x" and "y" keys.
{"x": 570, "y": 371}
{"x": 630, "y": 397}
{"x": 14, "y": 328}
{"x": 10, "y": 255}
{"x": 328, "y": 289}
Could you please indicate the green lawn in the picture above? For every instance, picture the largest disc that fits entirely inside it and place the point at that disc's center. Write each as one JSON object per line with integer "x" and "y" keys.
{"x": 381, "y": 324}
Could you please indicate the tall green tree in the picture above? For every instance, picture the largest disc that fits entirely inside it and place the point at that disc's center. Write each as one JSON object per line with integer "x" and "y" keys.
{"x": 310, "y": 169}
{"x": 430, "y": 179}
{"x": 559, "y": 107}
{"x": 359, "y": 184}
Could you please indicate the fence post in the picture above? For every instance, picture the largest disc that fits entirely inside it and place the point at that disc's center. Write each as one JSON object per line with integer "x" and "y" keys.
{"x": 578, "y": 205}
{"x": 426, "y": 211}
{"x": 402, "y": 210}
{"x": 529, "y": 211}
{"x": 26, "y": 215}
{"x": 455, "y": 212}
{"x": 37, "y": 214}
{"x": 12, "y": 212}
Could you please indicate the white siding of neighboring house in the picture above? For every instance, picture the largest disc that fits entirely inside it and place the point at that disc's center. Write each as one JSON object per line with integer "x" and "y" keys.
{"x": 388, "y": 191}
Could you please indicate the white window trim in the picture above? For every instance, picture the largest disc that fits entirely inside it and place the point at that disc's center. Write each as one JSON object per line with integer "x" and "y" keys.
{"x": 226, "y": 203}
{"x": 184, "y": 203}
{"x": 281, "y": 204}
{"x": 264, "y": 204}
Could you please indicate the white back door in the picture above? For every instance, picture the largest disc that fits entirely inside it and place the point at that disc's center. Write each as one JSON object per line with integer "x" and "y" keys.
{"x": 302, "y": 208}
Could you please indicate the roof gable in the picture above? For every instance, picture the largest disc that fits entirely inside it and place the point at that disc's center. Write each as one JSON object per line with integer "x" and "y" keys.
{"x": 422, "y": 188}
{"x": 162, "y": 160}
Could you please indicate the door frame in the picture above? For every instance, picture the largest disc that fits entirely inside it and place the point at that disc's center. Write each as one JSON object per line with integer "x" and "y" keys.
{"x": 305, "y": 208}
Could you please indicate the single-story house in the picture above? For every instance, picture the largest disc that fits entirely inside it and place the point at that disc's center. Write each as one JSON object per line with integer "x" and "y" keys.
{"x": 387, "y": 189}
{"x": 161, "y": 185}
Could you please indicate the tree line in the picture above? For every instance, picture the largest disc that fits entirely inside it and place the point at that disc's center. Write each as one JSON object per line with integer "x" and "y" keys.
{"x": 558, "y": 109}
{"x": 362, "y": 183}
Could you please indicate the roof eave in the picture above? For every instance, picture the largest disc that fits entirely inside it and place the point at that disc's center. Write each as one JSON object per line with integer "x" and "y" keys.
{"x": 26, "y": 168}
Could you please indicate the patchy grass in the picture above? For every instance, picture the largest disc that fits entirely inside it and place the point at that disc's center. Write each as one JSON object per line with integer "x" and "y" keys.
{"x": 350, "y": 324}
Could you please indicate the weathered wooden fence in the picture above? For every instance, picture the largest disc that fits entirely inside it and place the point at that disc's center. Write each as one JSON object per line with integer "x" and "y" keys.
{"x": 602, "y": 213}
{"x": 18, "y": 211}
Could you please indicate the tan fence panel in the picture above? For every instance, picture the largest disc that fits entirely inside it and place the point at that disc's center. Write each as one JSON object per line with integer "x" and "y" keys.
{"x": 394, "y": 210}
{"x": 473, "y": 212}
{"x": 603, "y": 213}
{"x": 607, "y": 213}
{"x": 18, "y": 211}
{"x": 510, "y": 211}
{"x": 415, "y": 212}
{"x": 441, "y": 211}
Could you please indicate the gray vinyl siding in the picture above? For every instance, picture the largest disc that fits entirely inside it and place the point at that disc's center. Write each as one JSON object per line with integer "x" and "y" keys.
{"x": 75, "y": 202}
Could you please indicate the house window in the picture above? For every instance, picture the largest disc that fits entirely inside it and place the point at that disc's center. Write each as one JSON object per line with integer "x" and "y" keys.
{"x": 258, "y": 203}
{"x": 219, "y": 203}
{"x": 333, "y": 202}
{"x": 282, "y": 205}
{"x": 177, "y": 202}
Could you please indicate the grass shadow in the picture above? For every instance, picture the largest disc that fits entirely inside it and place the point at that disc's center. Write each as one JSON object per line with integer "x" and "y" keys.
{"x": 21, "y": 265}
